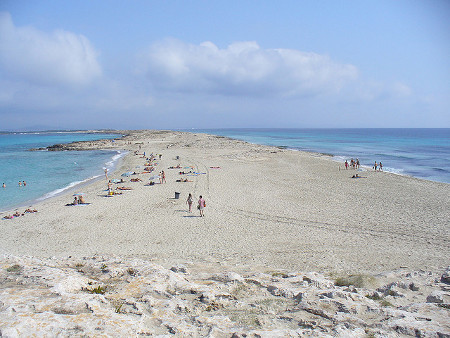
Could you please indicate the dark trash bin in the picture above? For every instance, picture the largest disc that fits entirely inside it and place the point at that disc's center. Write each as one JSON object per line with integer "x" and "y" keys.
{"x": 177, "y": 195}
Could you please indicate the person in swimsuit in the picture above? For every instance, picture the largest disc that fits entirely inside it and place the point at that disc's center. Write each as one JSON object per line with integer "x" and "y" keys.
{"x": 201, "y": 206}
{"x": 189, "y": 202}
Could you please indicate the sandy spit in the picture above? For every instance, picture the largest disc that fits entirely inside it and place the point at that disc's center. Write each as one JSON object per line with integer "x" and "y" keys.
{"x": 267, "y": 209}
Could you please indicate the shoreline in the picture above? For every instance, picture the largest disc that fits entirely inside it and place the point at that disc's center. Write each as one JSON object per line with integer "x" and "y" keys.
{"x": 337, "y": 158}
{"x": 103, "y": 144}
{"x": 72, "y": 186}
{"x": 244, "y": 155}
{"x": 289, "y": 246}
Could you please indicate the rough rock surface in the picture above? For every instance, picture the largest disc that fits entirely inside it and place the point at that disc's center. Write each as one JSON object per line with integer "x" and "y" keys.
{"x": 109, "y": 296}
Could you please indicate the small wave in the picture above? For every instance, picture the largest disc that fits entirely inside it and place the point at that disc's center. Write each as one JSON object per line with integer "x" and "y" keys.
{"x": 441, "y": 170}
{"x": 67, "y": 187}
{"x": 394, "y": 171}
{"x": 114, "y": 159}
{"x": 339, "y": 158}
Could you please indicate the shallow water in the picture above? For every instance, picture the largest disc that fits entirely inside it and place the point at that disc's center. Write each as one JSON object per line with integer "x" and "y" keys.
{"x": 47, "y": 173}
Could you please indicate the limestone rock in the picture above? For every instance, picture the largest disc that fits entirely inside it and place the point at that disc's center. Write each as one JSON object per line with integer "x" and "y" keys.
{"x": 436, "y": 297}
{"x": 104, "y": 296}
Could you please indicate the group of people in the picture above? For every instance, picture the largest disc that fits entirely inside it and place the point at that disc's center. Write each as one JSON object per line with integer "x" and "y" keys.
{"x": 378, "y": 165}
{"x": 17, "y": 213}
{"x": 201, "y": 204}
{"x": 162, "y": 177}
{"x": 21, "y": 184}
{"x": 353, "y": 164}
{"x": 78, "y": 200}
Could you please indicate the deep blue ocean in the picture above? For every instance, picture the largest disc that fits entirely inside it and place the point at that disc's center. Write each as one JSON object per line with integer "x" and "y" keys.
{"x": 47, "y": 173}
{"x": 422, "y": 153}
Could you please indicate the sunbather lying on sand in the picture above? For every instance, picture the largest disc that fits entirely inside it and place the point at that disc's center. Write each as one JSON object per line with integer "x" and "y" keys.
{"x": 77, "y": 201}
{"x": 30, "y": 210}
{"x": 124, "y": 188}
{"x": 183, "y": 180}
{"x": 112, "y": 193}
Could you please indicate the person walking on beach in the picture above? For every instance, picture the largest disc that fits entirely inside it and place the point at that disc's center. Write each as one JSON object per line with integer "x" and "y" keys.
{"x": 381, "y": 166}
{"x": 346, "y": 164}
{"x": 375, "y": 166}
{"x": 163, "y": 176}
{"x": 189, "y": 201}
{"x": 201, "y": 206}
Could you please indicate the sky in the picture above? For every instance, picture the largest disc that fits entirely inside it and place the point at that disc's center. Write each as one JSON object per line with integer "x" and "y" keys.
{"x": 145, "y": 64}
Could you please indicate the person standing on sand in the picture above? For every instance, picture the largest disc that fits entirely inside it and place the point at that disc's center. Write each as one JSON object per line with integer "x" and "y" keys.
{"x": 189, "y": 201}
{"x": 163, "y": 177}
{"x": 201, "y": 206}
{"x": 375, "y": 166}
{"x": 381, "y": 166}
{"x": 346, "y": 164}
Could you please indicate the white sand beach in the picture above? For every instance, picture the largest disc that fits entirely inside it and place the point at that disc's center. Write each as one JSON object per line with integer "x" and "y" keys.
{"x": 267, "y": 209}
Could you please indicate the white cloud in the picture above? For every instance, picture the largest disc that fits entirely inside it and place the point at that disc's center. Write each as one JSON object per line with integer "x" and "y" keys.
{"x": 58, "y": 58}
{"x": 401, "y": 90}
{"x": 243, "y": 68}
{"x": 371, "y": 91}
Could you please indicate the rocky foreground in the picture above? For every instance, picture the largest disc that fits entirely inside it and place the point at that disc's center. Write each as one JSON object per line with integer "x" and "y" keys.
{"x": 98, "y": 296}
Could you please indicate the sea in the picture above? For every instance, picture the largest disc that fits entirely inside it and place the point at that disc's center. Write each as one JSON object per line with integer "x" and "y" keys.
{"x": 48, "y": 173}
{"x": 421, "y": 153}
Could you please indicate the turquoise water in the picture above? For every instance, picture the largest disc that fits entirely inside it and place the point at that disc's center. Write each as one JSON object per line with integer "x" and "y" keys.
{"x": 422, "y": 153}
{"x": 47, "y": 173}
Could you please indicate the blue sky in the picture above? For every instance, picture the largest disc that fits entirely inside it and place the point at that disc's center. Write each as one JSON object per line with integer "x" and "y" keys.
{"x": 212, "y": 64}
